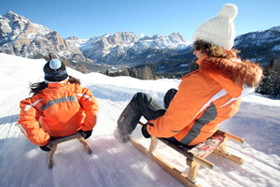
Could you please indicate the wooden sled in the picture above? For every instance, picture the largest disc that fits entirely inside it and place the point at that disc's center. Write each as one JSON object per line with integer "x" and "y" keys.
{"x": 57, "y": 141}
{"x": 195, "y": 156}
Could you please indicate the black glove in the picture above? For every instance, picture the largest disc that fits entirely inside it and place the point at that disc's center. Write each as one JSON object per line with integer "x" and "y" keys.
{"x": 47, "y": 147}
{"x": 85, "y": 134}
{"x": 145, "y": 132}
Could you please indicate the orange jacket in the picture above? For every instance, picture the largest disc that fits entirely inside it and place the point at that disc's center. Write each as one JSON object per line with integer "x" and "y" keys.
{"x": 205, "y": 98}
{"x": 59, "y": 110}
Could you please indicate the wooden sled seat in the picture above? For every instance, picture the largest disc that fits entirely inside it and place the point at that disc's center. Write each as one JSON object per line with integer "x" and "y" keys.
{"x": 195, "y": 156}
{"x": 55, "y": 141}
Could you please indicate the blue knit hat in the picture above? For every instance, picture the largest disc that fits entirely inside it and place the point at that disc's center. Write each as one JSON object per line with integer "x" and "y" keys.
{"x": 55, "y": 71}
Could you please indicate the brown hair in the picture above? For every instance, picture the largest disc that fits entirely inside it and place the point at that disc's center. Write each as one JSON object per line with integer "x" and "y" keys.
{"x": 212, "y": 50}
{"x": 38, "y": 86}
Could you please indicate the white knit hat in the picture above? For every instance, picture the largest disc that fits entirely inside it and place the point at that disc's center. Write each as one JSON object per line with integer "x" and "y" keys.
{"x": 219, "y": 30}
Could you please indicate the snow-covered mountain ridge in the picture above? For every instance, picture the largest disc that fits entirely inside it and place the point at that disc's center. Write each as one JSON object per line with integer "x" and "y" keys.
{"x": 129, "y": 48}
{"x": 259, "y": 38}
{"x": 262, "y": 47}
{"x": 20, "y": 37}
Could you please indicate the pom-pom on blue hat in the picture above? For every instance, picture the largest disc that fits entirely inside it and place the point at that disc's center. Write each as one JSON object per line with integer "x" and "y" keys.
{"x": 55, "y": 71}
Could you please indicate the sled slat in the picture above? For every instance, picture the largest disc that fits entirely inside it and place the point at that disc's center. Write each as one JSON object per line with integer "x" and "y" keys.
{"x": 183, "y": 178}
{"x": 233, "y": 137}
{"x": 184, "y": 151}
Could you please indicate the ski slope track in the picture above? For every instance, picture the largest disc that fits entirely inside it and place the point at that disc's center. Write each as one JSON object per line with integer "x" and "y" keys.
{"x": 113, "y": 164}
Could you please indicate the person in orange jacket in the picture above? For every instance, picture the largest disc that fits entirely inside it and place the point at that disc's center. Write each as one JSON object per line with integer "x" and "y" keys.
{"x": 205, "y": 97}
{"x": 59, "y": 107}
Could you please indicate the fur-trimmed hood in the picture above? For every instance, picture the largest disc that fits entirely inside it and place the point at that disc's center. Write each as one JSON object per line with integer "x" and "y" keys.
{"x": 232, "y": 72}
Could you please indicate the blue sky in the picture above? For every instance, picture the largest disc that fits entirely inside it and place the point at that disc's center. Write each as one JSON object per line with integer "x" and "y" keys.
{"x": 88, "y": 18}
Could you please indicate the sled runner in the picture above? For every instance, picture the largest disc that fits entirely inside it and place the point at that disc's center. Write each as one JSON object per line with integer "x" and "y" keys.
{"x": 57, "y": 141}
{"x": 195, "y": 155}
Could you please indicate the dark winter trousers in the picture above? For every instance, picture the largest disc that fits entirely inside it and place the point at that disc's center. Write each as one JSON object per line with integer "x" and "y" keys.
{"x": 142, "y": 105}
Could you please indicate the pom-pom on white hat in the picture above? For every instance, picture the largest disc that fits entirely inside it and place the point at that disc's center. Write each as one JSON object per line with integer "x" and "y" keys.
{"x": 219, "y": 30}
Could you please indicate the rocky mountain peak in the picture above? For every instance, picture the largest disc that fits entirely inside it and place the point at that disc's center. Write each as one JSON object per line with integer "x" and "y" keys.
{"x": 13, "y": 16}
{"x": 19, "y": 36}
{"x": 275, "y": 28}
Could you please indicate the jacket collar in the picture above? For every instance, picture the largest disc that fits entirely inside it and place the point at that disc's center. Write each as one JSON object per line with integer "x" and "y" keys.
{"x": 231, "y": 74}
{"x": 57, "y": 84}
{"x": 201, "y": 59}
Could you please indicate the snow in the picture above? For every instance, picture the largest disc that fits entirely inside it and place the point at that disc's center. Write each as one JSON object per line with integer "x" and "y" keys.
{"x": 276, "y": 48}
{"x": 113, "y": 164}
{"x": 276, "y": 28}
{"x": 42, "y": 29}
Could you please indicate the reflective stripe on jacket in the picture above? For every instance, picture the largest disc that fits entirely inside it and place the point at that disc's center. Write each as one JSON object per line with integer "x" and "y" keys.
{"x": 205, "y": 98}
{"x": 59, "y": 110}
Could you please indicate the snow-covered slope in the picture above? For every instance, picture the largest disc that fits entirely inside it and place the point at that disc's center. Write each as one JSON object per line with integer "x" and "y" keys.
{"x": 113, "y": 164}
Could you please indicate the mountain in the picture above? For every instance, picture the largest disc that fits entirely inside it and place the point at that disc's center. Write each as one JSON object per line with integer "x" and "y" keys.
{"x": 76, "y": 41}
{"x": 165, "y": 54}
{"x": 113, "y": 164}
{"x": 258, "y": 39}
{"x": 261, "y": 46}
{"x": 20, "y": 37}
{"x": 125, "y": 48}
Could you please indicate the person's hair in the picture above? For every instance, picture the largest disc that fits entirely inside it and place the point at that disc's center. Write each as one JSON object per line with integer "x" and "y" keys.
{"x": 213, "y": 50}
{"x": 38, "y": 86}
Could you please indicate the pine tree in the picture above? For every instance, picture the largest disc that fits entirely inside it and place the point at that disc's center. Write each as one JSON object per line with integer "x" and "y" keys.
{"x": 270, "y": 84}
{"x": 146, "y": 73}
{"x": 84, "y": 69}
{"x": 133, "y": 72}
{"x": 126, "y": 72}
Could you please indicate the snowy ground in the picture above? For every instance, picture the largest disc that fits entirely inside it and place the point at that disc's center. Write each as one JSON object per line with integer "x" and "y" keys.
{"x": 121, "y": 165}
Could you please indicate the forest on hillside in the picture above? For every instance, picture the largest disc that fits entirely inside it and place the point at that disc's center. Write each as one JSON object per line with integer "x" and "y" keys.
{"x": 269, "y": 86}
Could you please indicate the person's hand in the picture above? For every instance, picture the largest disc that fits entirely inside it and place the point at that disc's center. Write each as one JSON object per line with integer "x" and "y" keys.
{"x": 145, "y": 132}
{"x": 47, "y": 147}
{"x": 85, "y": 134}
